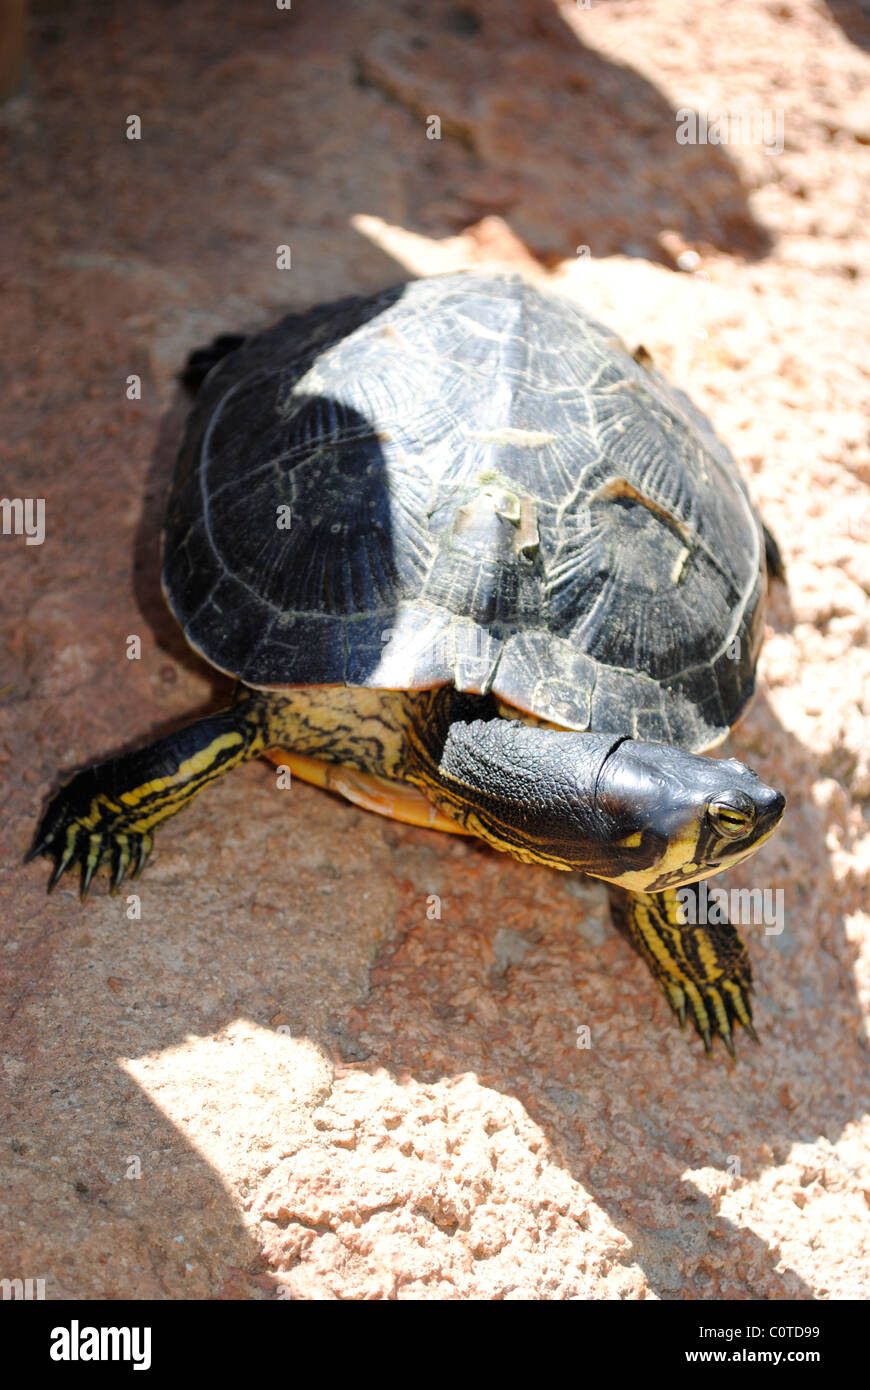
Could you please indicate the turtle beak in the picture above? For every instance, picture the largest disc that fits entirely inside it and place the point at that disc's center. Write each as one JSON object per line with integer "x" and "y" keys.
{"x": 770, "y": 805}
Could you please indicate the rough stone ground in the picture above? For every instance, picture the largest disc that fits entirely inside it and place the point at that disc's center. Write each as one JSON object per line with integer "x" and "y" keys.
{"x": 328, "y": 1093}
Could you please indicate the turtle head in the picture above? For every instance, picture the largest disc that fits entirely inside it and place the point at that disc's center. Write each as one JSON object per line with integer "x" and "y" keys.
{"x": 670, "y": 818}
{"x": 647, "y": 816}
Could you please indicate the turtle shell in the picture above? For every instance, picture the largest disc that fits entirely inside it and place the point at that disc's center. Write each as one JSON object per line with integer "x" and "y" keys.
{"x": 463, "y": 480}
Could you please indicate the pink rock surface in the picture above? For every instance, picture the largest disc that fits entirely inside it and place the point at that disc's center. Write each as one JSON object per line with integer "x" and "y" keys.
{"x": 290, "y": 1077}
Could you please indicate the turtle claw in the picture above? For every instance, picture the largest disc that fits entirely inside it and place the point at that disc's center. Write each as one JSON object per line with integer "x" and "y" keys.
{"x": 144, "y": 846}
{"x": 59, "y": 870}
{"x": 120, "y": 863}
{"x": 39, "y": 846}
{"x": 87, "y": 874}
{"x": 107, "y": 813}
{"x": 90, "y": 850}
{"x": 715, "y": 1012}
{"x": 81, "y": 828}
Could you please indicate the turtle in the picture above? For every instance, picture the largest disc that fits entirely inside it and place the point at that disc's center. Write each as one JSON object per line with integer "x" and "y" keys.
{"x": 474, "y": 565}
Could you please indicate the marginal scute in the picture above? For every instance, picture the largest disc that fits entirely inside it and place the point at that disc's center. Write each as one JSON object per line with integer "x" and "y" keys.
{"x": 478, "y": 485}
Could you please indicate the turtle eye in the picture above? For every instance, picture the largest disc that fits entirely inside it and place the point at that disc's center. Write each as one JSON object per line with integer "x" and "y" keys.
{"x": 731, "y": 816}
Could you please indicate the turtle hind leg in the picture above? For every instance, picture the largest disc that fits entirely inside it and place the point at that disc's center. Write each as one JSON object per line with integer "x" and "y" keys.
{"x": 201, "y": 360}
{"x": 703, "y": 967}
{"x": 109, "y": 811}
{"x": 773, "y": 556}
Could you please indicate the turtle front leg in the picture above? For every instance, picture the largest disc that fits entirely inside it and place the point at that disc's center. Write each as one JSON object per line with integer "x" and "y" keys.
{"x": 703, "y": 967}
{"x": 110, "y": 810}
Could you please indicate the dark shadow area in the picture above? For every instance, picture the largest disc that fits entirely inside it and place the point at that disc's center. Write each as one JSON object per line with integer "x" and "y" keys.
{"x": 853, "y": 17}
{"x": 284, "y": 570}
{"x": 569, "y": 147}
{"x": 104, "y": 1151}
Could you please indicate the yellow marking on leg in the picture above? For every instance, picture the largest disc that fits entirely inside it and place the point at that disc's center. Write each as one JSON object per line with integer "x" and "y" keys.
{"x": 707, "y": 955}
{"x": 677, "y": 996}
{"x": 187, "y": 771}
{"x": 698, "y": 1008}
{"x": 655, "y": 943}
{"x": 651, "y": 924}
{"x": 719, "y": 1010}
{"x": 736, "y": 996}
{"x": 672, "y": 945}
{"x": 352, "y": 726}
{"x": 91, "y": 820}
